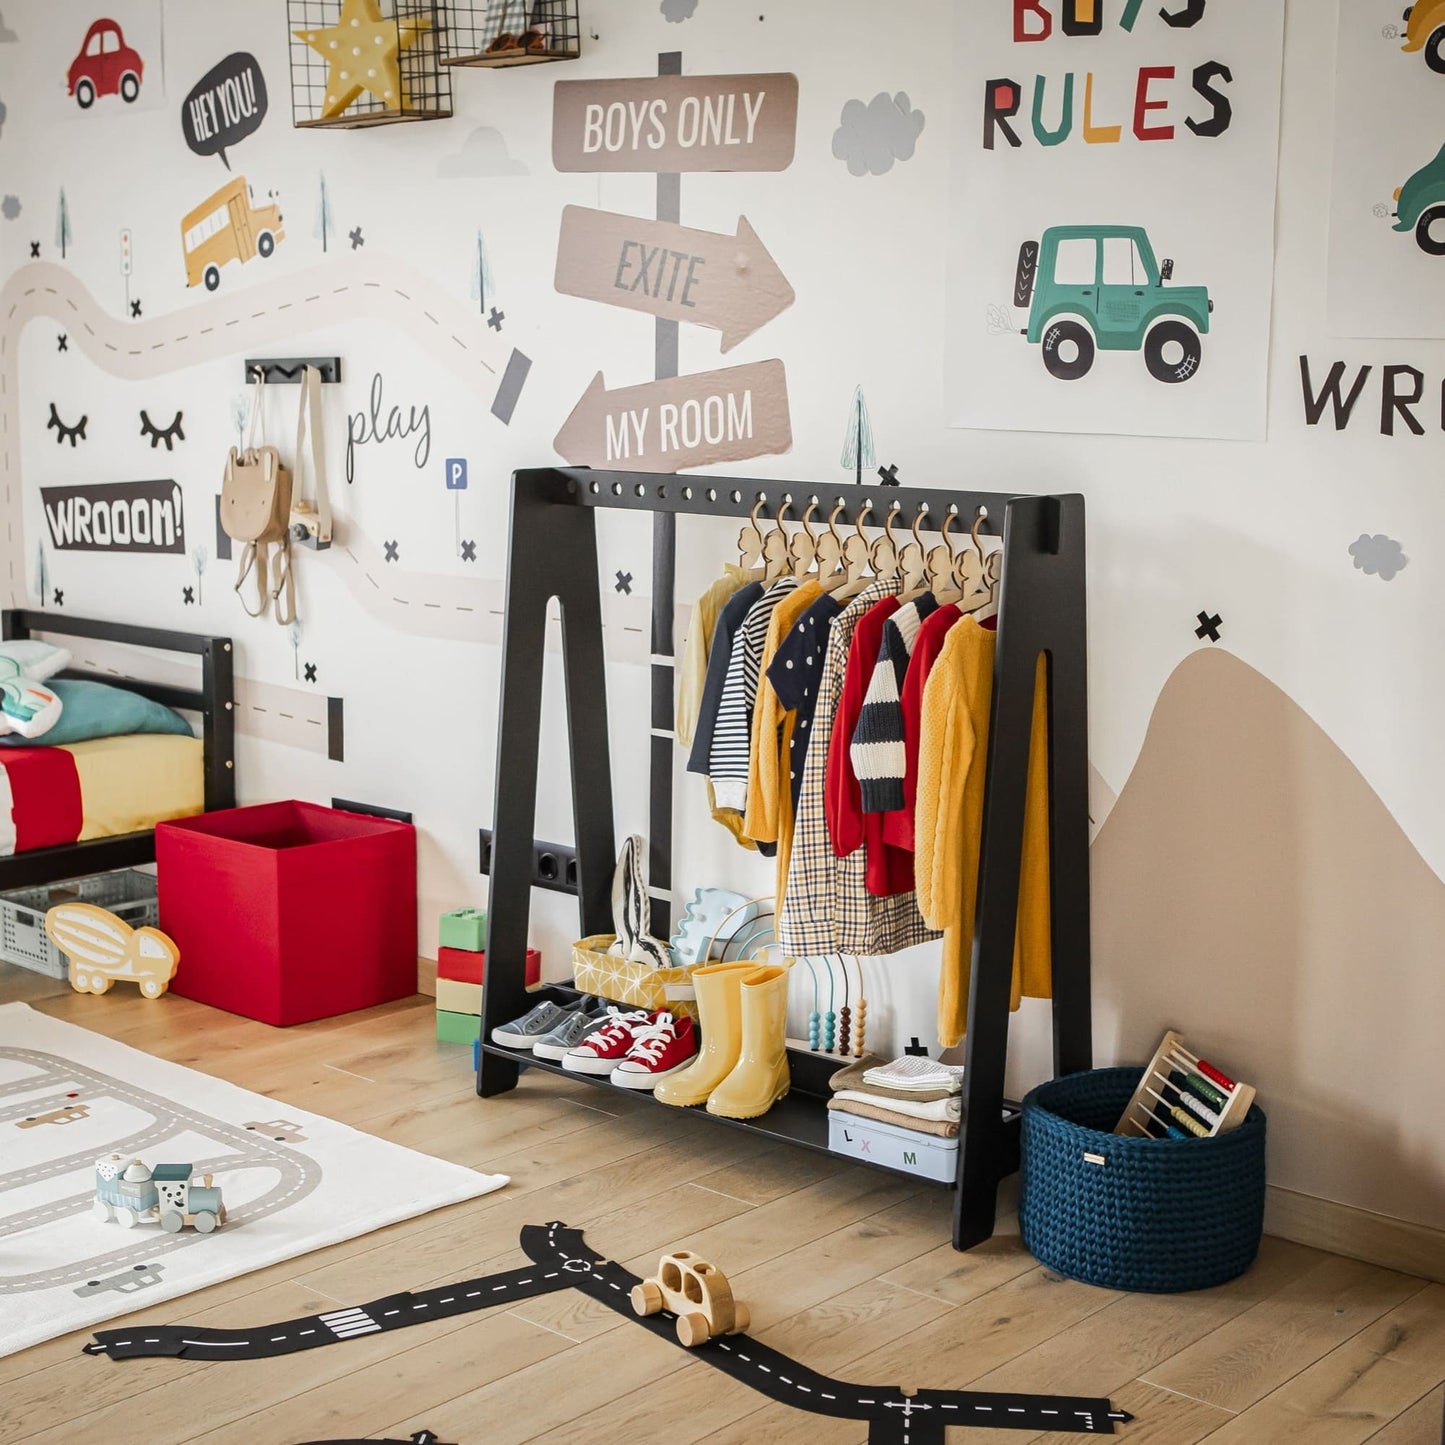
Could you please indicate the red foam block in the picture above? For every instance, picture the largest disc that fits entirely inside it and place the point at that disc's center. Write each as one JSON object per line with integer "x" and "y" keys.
{"x": 465, "y": 966}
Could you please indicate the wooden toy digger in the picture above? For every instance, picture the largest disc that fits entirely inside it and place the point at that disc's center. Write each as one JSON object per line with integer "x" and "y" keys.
{"x": 102, "y": 948}
{"x": 697, "y": 1293}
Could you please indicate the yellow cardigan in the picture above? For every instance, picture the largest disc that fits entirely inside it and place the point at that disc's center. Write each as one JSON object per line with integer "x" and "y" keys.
{"x": 952, "y": 772}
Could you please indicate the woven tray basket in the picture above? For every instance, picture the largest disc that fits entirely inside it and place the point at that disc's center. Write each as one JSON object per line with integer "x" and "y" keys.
{"x": 596, "y": 971}
{"x": 1159, "y": 1215}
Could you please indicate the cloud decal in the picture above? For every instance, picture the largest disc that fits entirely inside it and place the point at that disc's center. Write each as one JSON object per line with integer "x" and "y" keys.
{"x": 484, "y": 153}
{"x": 1378, "y": 556}
{"x": 871, "y": 137}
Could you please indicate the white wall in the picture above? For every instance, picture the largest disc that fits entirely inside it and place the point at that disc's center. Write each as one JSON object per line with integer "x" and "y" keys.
{"x": 1256, "y": 532}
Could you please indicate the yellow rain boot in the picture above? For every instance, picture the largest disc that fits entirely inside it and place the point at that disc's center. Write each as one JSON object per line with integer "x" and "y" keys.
{"x": 719, "y": 1010}
{"x": 761, "y": 1077}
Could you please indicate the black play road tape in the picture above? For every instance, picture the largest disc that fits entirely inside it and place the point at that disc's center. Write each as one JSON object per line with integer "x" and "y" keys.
{"x": 561, "y": 1259}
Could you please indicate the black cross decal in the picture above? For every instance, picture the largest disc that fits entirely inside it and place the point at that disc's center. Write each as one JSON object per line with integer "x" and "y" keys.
{"x": 310, "y": 670}
{"x": 135, "y": 310}
{"x": 357, "y": 239}
{"x": 62, "y": 342}
{"x": 35, "y": 250}
{"x": 1208, "y": 627}
{"x": 59, "y": 598}
{"x": 189, "y": 594}
{"x": 889, "y": 475}
{"x": 496, "y": 318}
{"x": 624, "y": 582}
{"x": 392, "y": 551}
{"x": 469, "y": 551}
{"x": 916, "y": 1048}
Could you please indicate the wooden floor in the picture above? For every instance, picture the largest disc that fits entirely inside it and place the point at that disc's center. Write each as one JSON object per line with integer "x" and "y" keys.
{"x": 845, "y": 1268}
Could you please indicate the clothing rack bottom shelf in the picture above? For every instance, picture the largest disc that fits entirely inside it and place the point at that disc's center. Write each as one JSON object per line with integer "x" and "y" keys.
{"x": 800, "y": 1117}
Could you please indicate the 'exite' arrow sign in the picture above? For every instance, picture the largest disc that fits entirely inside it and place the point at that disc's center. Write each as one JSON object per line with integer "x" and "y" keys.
{"x": 727, "y": 282}
{"x": 672, "y": 123}
{"x": 686, "y": 421}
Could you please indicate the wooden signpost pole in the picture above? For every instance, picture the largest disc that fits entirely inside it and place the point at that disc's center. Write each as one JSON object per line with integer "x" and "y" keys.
{"x": 664, "y": 576}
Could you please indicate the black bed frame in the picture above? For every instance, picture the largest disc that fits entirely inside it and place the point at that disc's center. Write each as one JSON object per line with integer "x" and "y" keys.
{"x": 214, "y": 700}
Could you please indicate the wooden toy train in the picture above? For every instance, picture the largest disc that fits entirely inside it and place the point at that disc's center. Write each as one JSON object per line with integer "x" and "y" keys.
{"x": 133, "y": 1194}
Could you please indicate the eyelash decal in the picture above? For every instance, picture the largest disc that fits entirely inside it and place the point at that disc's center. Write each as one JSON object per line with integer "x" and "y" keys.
{"x": 65, "y": 433}
{"x": 169, "y": 435}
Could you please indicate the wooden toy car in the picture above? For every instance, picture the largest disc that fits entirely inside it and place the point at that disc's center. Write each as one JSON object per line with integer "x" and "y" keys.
{"x": 697, "y": 1293}
{"x": 102, "y": 948}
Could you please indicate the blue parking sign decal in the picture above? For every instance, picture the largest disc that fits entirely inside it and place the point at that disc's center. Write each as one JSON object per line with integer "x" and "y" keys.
{"x": 456, "y": 474}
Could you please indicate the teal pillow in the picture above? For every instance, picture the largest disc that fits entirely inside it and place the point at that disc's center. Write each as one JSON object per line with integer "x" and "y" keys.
{"x": 97, "y": 710}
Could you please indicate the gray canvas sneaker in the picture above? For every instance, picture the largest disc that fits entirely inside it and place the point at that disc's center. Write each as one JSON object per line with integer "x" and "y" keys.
{"x": 589, "y": 1016}
{"x": 524, "y": 1032}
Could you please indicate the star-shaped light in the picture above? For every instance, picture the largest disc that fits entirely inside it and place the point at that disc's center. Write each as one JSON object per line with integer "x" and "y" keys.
{"x": 362, "y": 49}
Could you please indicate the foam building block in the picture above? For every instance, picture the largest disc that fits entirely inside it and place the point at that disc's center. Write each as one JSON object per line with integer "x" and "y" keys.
{"x": 463, "y": 928}
{"x": 454, "y": 996}
{"x": 467, "y": 965}
{"x": 457, "y": 1028}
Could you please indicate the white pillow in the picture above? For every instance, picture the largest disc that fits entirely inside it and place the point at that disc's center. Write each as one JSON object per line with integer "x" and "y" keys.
{"x": 26, "y": 707}
{"x": 36, "y": 659}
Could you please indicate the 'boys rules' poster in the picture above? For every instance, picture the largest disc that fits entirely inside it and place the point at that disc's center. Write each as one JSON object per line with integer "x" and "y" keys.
{"x": 1111, "y": 250}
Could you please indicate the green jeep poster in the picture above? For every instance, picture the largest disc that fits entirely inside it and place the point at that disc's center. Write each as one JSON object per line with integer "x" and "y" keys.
{"x": 1111, "y": 245}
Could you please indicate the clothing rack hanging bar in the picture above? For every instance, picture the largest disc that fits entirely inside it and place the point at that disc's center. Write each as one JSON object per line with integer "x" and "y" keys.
{"x": 1041, "y": 613}
{"x": 736, "y": 497}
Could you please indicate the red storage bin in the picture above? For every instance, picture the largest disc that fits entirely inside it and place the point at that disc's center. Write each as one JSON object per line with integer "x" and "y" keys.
{"x": 289, "y": 911}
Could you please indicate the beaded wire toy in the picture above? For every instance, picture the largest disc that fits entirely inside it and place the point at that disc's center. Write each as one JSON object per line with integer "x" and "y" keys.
{"x": 1182, "y": 1096}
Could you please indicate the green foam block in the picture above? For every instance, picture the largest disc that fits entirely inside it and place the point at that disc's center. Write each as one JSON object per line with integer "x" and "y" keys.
{"x": 464, "y": 928}
{"x": 457, "y": 1028}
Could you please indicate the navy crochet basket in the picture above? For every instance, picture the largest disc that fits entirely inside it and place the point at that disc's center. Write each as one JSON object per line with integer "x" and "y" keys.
{"x": 1159, "y": 1215}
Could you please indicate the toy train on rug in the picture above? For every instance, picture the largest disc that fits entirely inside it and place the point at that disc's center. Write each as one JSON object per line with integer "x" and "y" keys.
{"x": 134, "y": 1194}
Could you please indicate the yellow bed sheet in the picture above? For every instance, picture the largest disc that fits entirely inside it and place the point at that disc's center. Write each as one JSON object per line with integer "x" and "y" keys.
{"x": 134, "y": 782}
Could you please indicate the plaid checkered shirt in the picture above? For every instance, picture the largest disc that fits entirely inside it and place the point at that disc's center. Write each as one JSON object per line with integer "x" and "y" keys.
{"x": 827, "y": 908}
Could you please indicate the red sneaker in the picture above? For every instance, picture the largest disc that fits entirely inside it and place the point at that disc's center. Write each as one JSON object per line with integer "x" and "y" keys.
{"x": 664, "y": 1047}
{"x": 601, "y": 1051}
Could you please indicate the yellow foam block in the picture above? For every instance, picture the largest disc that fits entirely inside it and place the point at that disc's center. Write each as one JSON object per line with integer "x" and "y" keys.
{"x": 459, "y": 998}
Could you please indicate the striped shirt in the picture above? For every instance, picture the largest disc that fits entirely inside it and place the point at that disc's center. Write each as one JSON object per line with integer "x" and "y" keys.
{"x": 732, "y": 737}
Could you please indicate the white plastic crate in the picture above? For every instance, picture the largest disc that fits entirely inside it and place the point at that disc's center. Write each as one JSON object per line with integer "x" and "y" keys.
{"x": 899, "y": 1148}
{"x": 128, "y": 893}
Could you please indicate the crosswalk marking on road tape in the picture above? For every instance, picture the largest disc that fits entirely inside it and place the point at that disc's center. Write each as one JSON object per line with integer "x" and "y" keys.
{"x": 346, "y": 1323}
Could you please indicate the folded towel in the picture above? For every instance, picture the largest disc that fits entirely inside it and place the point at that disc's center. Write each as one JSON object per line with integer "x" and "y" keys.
{"x": 914, "y": 1072}
{"x": 939, "y": 1129}
{"x": 939, "y": 1111}
{"x": 852, "y": 1077}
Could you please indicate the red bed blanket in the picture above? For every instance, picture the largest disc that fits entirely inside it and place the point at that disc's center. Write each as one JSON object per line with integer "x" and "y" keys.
{"x": 40, "y": 803}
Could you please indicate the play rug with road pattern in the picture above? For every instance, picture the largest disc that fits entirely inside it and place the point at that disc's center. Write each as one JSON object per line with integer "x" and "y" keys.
{"x": 291, "y": 1181}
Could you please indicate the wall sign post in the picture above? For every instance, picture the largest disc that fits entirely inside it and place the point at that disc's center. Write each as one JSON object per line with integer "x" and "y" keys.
{"x": 669, "y": 124}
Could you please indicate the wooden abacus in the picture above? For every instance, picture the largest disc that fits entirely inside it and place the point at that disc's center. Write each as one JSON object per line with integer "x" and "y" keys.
{"x": 1182, "y": 1095}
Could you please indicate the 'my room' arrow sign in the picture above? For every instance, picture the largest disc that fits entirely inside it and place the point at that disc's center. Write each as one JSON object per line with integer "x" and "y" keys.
{"x": 681, "y": 422}
{"x": 730, "y": 283}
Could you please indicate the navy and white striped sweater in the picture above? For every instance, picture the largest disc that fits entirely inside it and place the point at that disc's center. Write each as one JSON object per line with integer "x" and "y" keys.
{"x": 877, "y": 749}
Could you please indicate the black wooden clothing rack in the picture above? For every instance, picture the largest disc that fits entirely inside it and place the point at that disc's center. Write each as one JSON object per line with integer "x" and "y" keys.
{"x": 553, "y": 553}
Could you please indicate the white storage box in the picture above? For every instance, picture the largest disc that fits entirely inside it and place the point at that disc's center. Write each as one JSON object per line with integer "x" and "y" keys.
{"x": 880, "y": 1143}
{"x": 128, "y": 893}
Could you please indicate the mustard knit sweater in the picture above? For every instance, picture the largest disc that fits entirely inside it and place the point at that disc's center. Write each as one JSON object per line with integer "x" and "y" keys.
{"x": 953, "y": 760}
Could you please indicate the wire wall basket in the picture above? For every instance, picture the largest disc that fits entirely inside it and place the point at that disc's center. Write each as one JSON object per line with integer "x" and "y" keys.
{"x": 501, "y": 33}
{"x": 368, "y": 62}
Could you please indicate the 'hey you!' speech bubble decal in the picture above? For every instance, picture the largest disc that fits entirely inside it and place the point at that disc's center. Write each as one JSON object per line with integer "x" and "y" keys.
{"x": 226, "y": 105}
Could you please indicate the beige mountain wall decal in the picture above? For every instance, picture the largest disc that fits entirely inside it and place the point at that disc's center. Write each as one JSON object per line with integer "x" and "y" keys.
{"x": 1252, "y": 890}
